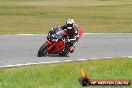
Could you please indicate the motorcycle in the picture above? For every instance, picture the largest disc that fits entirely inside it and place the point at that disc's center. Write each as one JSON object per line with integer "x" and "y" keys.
{"x": 56, "y": 43}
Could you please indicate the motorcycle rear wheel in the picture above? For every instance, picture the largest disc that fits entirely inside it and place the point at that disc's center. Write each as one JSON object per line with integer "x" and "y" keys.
{"x": 43, "y": 50}
{"x": 64, "y": 53}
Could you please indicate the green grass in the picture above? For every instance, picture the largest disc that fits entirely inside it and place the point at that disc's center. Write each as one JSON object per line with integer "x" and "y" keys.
{"x": 65, "y": 75}
{"x": 39, "y": 16}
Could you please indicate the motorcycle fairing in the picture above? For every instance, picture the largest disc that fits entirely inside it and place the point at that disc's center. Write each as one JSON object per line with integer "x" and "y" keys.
{"x": 56, "y": 47}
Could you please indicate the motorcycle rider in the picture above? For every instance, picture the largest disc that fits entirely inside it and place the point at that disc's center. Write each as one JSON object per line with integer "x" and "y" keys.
{"x": 71, "y": 29}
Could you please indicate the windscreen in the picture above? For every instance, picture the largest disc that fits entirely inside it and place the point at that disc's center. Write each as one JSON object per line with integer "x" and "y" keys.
{"x": 55, "y": 34}
{"x": 58, "y": 34}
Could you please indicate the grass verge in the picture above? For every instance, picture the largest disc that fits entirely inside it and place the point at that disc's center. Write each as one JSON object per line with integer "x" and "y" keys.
{"x": 65, "y": 75}
{"x": 39, "y": 16}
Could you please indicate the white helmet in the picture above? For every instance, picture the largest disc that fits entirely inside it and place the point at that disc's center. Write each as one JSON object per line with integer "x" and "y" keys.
{"x": 70, "y": 24}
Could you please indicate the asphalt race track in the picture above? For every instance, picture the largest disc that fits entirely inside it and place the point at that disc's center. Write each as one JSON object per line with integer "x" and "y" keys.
{"x": 22, "y": 49}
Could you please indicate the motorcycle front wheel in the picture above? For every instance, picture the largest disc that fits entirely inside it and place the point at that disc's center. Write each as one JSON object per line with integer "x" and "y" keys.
{"x": 43, "y": 50}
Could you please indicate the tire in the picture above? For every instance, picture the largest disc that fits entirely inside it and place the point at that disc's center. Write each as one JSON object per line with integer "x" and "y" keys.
{"x": 64, "y": 53}
{"x": 43, "y": 50}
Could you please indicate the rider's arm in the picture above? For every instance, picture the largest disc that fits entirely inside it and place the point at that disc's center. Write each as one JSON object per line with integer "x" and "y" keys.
{"x": 75, "y": 36}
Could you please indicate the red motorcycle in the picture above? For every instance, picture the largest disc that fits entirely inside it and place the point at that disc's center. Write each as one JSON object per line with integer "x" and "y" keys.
{"x": 56, "y": 43}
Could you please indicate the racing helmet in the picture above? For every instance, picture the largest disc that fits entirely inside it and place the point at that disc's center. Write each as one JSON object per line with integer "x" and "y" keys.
{"x": 70, "y": 24}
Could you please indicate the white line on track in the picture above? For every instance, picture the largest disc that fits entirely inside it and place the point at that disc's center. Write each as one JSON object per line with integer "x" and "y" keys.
{"x": 83, "y": 33}
{"x": 53, "y": 62}
{"x": 104, "y": 33}
{"x": 67, "y": 60}
{"x": 129, "y": 56}
{"x": 82, "y": 59}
